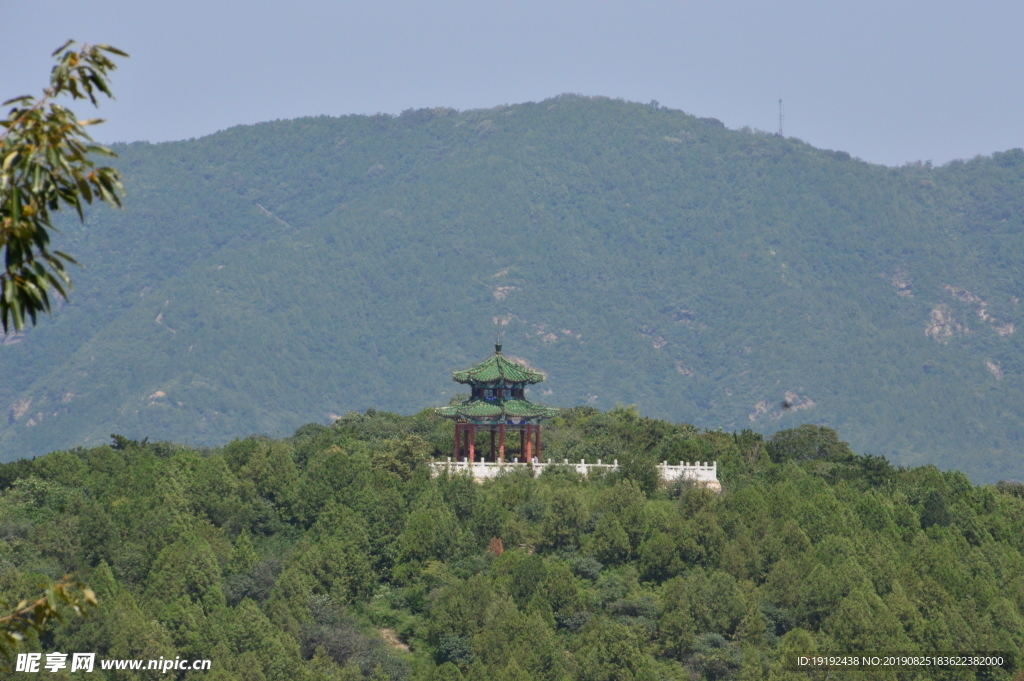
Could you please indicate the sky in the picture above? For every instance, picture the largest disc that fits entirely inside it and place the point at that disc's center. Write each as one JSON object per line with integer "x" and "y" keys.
{"x": 889, "y": 82}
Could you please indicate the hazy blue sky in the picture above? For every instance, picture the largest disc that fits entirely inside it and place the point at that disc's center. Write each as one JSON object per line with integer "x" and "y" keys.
{"x": 888, "y": 81}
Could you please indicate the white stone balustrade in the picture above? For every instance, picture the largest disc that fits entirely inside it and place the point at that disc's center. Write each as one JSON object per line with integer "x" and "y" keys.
{"x": 705, "y": 473}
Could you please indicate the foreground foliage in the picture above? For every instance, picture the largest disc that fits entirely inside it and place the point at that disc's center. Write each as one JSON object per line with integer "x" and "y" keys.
{"x": 47, "y": 162}
{"x": 333, "y": 555}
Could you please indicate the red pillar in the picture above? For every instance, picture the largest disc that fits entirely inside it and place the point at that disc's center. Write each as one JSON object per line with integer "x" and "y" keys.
{"x": 501, "y": 442}
{"x": 528, "y": 432}
{"x": 458, "y": 434}
{"x": 536, "y": 431}
{"x": 472, "y": 442}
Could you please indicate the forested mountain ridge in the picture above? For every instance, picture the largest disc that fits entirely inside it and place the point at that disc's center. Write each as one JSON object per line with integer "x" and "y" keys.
{"x": 274, "y": 274}
{"x": 332, "y": 555}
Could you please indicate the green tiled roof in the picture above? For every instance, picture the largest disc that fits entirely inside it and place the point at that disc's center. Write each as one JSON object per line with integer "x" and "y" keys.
{"x": 498, "y": 368}
{"x": 497, "y": 409}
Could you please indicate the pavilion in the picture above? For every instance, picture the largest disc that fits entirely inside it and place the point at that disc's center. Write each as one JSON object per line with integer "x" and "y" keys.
{"x": 497, "y": 404}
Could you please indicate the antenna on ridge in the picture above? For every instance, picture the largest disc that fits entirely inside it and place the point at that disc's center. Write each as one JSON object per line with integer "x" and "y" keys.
{"x": 782, "y": 115}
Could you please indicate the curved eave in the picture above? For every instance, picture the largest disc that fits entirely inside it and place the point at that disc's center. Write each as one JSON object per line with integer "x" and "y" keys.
{"x": 497, "y": 409}
{"x": 497, "y": 368}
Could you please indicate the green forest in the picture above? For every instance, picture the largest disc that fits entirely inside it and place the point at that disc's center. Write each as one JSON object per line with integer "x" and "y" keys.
{"x": 333, "y": 555}
{"x": 276, "y": 274}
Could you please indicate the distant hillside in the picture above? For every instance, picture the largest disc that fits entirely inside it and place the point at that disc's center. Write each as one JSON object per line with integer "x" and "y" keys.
{"x": 271, "y": 275}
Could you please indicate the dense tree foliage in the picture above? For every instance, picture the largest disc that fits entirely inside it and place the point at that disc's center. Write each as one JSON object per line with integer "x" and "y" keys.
{"x": 333, "y": 554}
{"x": 271, "y": 275}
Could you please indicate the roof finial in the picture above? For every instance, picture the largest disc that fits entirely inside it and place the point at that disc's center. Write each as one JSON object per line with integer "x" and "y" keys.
{"x": 497, "y": 348}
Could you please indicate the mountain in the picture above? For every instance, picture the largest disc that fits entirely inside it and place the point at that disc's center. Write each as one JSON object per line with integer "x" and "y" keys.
{"x": 275, "y": 274}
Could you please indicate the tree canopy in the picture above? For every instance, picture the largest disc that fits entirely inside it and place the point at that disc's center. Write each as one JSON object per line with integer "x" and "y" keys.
{"x": 332, "y": 554}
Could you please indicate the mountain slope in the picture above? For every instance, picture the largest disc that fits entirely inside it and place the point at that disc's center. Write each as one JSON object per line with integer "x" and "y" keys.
{"x": 276, "y": 274}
